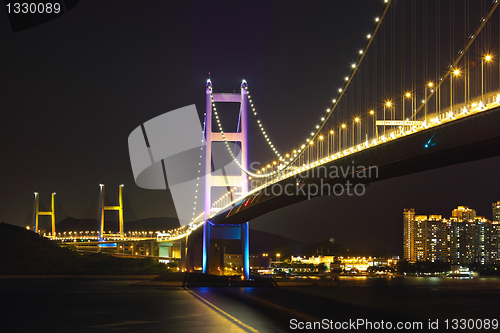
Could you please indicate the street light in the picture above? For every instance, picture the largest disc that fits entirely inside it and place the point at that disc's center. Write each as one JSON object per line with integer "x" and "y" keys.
{"x": 320, "y": 146}
{"x": 333, "y": 142}
{"x": 455, "y": 72}
{"x": 340, "y": 141}
{"x": 372, "y": 112}
{"x": 407, "y": 95}
{"x": 359, "y": 130}
{"x": 486, "y": 58}
{"x": 388, "y": 104}
{"x": 278, "y": 257}
{"x": 430, "y": 84}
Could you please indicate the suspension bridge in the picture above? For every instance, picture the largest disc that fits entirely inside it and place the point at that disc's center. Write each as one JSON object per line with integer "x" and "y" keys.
{"x": 422, "y": 92}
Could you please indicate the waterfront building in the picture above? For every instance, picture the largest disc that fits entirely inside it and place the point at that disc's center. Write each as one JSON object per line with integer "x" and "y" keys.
{"x": 464, "y": 238}
{"x": 496, "y": 211}
{"x": 408, "y": 234}
{"x": 436, "y": 240}
{"x": 360, "y": 264}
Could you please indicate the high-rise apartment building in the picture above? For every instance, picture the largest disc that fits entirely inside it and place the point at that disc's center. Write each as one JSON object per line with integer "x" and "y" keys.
{"x": 462, "y": 239}
{"x": 463, "y": 213}
{"x": 420, "y": 239}
{"x": 496, "y": 211}
{"x": 436, "y": 231}
{"x": 408, "y": 234}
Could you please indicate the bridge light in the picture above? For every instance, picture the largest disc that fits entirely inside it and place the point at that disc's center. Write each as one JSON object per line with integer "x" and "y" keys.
{"x": 353, "y": 65}
{"x": 321, "y": 137}
{"x": 331, "y": 132}
{"x": 408, "y": 95}
{"x": 343, "y": 125}
{"x": 487, "y": 58}
{"x": 368, "y": 36}
{"x": 311, "y": 142}
{"x": 346, "y": 78}
{"x": 456, "y": 72}
{"x": 340, "y": 89}
{"x": 388, "y": 103}
{"x": 371, "y": 112}
{"x": 356, "y": 119}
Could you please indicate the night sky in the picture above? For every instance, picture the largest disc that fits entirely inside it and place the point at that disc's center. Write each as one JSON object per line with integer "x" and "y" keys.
{"x": 74, "y": 88}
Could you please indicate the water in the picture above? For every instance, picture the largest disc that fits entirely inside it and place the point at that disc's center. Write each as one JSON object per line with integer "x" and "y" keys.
{"x": 422, "y": 297}
{"x": 94, "y": 305}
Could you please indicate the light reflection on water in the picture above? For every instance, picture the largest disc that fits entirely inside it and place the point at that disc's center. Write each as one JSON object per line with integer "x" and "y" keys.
{"x": 426, "y": 297}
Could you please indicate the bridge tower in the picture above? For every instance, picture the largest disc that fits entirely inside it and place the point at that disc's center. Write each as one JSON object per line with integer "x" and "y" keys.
{"x": 211, "y": 231}
{"x": 51, "y": 213}
{"x": 103, "y": 208}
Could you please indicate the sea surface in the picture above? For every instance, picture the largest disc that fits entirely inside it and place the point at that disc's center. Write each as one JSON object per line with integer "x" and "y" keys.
{"x": 113, "y": 305}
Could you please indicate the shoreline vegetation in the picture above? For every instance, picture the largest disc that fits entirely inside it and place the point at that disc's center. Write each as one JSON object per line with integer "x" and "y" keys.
{"x": 25, "y": 253}
{"x": 81, "y": 276}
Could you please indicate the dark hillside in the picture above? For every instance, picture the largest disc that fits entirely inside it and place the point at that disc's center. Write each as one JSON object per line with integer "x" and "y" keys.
{"x": 25, "y": 252}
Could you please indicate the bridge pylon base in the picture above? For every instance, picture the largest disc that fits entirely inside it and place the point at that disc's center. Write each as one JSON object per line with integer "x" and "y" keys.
{"x": 213, "y": 247}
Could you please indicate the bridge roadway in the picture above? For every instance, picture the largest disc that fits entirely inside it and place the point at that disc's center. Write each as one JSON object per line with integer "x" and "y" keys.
{"x": 474, "y": 137}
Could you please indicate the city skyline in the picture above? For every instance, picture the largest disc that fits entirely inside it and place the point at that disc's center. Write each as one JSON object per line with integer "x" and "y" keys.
{"x": 463, "y": 238}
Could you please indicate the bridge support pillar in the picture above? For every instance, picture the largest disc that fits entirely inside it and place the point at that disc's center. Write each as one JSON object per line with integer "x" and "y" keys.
{"x": 206, "y": 248}
{"x": 245, "y": 251}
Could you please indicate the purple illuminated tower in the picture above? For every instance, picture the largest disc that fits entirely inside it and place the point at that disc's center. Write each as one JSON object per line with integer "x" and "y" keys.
{"x": 220, "y": 179}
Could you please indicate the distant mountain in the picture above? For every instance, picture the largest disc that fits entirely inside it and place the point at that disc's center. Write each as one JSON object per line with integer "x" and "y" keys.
{"x": 148, "y": 224}
{"x": 152, "y": 224}
{"x": 263, "y": 242}
{"x": 266, "y": 242}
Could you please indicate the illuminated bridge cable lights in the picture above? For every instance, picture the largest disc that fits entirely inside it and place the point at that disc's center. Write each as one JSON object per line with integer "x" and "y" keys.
{"x": 259, "y": 123}
{"x": 354, "y": 68}
{"x": 256, "y": 175}
{"x": 289, "y": 162}
{"x": 454, "y": 66}
{"x": 199, "y": 166}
